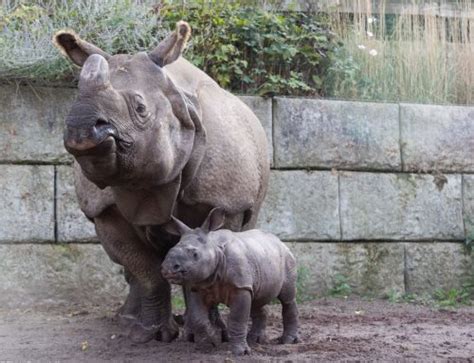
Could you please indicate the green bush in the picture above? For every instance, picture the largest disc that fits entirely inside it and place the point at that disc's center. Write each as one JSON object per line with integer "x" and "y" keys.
{"x": 251, "y": 50}
{"x": 246, "y": 49}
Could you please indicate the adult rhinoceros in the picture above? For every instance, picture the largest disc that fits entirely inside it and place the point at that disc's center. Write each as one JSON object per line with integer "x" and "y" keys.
{"x": 153, "y": 136}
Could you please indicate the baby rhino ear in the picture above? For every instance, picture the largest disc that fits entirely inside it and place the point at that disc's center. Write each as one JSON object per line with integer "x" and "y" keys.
{"x": 176, "y": 227}
{"x": 214, "y": 220}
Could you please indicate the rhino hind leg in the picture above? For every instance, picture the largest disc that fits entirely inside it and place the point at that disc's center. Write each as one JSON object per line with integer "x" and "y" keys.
{"x": 287, "y": 298}
{"x": 143, "y": 265}
{"x": 257, "y": 333}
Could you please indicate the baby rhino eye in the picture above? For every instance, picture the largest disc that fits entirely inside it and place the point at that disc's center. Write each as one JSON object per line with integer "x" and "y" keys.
{"x": 141, "y": 108}
{"x": 195, "y": 255}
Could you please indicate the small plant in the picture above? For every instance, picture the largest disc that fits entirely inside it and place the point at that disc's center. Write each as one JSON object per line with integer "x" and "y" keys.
{"x": 453, "y": 297}
{"x": 177, "y": 301}
{"x": 340, "y": 286}
{"x": 302, "y": 288}
{"x": 394, "y": 296}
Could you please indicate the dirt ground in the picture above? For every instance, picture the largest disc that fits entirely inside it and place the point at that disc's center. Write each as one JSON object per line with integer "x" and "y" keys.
{"x": 331, "y": 329}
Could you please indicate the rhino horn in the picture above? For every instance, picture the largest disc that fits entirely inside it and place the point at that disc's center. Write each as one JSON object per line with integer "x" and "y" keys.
{"x": 95, "y": 73}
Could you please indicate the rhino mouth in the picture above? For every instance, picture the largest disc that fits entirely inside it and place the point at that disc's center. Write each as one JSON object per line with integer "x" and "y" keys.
{"x": 95, "y": 140}
{"x": 177, "y": 278}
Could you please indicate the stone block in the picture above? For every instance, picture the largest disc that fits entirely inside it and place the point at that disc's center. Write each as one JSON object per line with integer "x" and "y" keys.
{"x": 400, "y": 206}
{"x": 437, "y": 138}
{"x": 33, "y": 275}
{"x": 438, "y": 265}
{"x": 72, "y": 224}
{"x": 32, "y": 122}
{"x": 262, "y": 107}
{"x": 336, "y": 134}
{"x": 27, "y": 201}
{"x": 468, "y": 204}
{"x": 301, "y": 205}
{"x": 373, "y": 269}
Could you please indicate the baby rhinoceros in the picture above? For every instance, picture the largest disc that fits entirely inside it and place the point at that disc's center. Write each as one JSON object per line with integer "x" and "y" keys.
{"x": 244, "y": 270}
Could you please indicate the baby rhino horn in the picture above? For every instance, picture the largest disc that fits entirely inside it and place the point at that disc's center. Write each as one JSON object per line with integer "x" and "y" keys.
{"x": 95, "y": 73}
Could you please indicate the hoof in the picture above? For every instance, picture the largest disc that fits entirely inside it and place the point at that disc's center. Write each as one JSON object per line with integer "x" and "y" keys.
{"x": 168, "y": 333}
{"x": 257, "y": 339}
{"x": 126, "y": 320}
{"x": 224, "y": 336}
{"x": 141, "y": 334}
{"x": 289, "y": 339}
{"x": 241, "y": 349}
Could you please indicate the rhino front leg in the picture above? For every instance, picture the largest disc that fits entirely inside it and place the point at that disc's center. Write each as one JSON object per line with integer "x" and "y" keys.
{"x": 259, "y": 324}
{"x": 124, "y": 246}
{"x": 130, "y": 310}
{"x": 197, "y": 316}
{"x": 238, "y": 321}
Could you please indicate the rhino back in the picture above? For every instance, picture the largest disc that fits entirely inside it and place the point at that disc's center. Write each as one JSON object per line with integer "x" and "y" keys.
{"x": 266, "y": 260}
{"x": 235, "y": 168}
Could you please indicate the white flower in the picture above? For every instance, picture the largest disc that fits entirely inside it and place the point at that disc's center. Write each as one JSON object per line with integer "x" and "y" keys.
{"x": 370, "y": 34}
{"x": 371, "y": 20}
{"x": 361, "y": 46}
{"x": 373, "y": 52}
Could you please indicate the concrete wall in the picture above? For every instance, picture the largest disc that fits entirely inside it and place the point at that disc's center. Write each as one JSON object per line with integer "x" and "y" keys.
{"x": 382, "y": 194}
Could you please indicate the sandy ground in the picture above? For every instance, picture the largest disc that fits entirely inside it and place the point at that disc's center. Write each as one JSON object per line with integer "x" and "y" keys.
{"x": 331, "y": 329}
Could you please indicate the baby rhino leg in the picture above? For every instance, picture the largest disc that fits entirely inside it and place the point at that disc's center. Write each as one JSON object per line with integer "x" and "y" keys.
{"x": 259, "y": 324}
{"x": 287, "y": 298}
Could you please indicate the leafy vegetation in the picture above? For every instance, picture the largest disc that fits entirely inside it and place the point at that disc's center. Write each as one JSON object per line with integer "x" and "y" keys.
{"x": 246, "y": 49}
{"x": 340, "y": 286}
{"x": 302, "y": 285}
{"x": 453, "y": 297}
{"x": 441, "y": 298}
{"x": 251, "y": 50}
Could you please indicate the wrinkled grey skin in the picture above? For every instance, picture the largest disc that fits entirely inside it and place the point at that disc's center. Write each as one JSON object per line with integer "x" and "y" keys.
{"x": 153, "y": 136}
{"x": 244, "y": 270}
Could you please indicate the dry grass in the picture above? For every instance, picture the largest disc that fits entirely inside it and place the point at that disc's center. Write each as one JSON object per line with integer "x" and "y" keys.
{"x": 404, "y": 57}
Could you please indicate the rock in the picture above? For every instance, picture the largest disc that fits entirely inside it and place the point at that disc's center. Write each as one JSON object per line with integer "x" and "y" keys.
{"x": 72, "y": 224}
{"x": 27, "y": 201}
{"x": 438, "y": 265}
{"x": 33, "y": 275}
{"x": 373, "y": 269}
{"x": 468, "y": 203}
{"x": 400, "y": 207}
{"x": 336, "y": 134}
{"x": 301, "y": 205}
{"x": 437, "y": 138}
{"x": 31, "y": 123}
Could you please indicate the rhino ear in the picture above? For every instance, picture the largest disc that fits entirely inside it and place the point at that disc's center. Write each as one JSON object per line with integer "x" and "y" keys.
{"x": 76, "y": 49}
{"x": 214, "y": 220}
{"x": 176, "y": 227}
{"x": 172, "y": 46}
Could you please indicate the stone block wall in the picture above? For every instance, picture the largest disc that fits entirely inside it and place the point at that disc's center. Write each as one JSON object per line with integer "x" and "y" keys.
{"x": 382, "y": 194}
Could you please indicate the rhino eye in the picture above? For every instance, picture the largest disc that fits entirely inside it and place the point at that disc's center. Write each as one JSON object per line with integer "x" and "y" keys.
{"x": 195, "y": 256}
{"x": 141, "y": 109}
